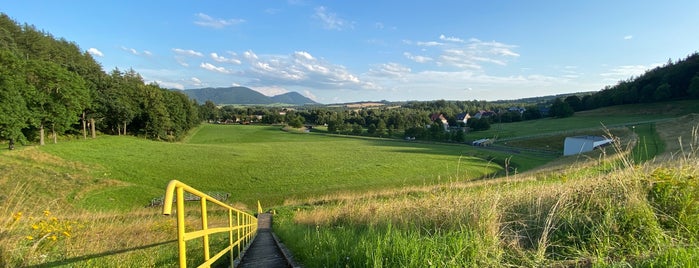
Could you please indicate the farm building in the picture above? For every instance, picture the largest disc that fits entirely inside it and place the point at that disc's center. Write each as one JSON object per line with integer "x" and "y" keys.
{"x": 581, "y": 144}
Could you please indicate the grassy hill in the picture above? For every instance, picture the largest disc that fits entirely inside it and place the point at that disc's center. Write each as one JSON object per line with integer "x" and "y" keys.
{"x": 429, "y": 199}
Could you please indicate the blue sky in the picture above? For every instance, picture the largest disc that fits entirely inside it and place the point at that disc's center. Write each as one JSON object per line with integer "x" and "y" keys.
{"x": 345, "y": 51}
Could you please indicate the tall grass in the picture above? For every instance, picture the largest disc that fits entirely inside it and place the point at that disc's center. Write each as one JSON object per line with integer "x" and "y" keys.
{"x": 627, "y": 214}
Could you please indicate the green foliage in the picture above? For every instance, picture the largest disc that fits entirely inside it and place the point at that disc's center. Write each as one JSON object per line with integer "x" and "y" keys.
{"x": 561, "y": 109}
{"x": 676, "y": 198}
{"x": 693, "y": 89}
{"x": 59, "y": 85}
{"x": 574, "y": 102}
{"x": 14, "y": 114}
{"x": 478, "y": 124}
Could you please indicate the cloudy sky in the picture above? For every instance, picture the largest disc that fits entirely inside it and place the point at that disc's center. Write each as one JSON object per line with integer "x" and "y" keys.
{"x": 345, "y": 51}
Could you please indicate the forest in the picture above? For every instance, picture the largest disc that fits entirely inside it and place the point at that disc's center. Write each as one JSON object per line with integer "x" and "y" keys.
{"x": 49, "y": 84}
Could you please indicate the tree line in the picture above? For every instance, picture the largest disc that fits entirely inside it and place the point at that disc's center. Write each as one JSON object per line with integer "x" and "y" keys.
{"x": 50, "y": 84}
{"x": 672, "y": 81}
{"x": 398, "y": 120}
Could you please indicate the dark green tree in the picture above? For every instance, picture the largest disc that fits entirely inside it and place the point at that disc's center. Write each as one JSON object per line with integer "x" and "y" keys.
{"x": 458, "y": 136}
{"x": 210, "y": 112}
{"x": 693, "y": 89}
{"x": 14, "y": 114}
{"x": 531, "y": 113}
{"x": 357, "y": 129}
{"x": 561, "y": 109}
{"x": 662, "y": 93}
{"x": 380, "y": 128}
{"x": 478, "y": 124}
{"x": 296, "y": 121}
{"x": 58, "y": 97}
{"x": 574, "y": 102}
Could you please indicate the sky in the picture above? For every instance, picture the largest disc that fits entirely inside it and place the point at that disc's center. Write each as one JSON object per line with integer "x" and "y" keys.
{"x": 349, "y": 51}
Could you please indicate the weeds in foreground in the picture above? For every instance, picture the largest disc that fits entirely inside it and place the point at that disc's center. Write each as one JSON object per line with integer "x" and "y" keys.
{"x": 624, "y": 214}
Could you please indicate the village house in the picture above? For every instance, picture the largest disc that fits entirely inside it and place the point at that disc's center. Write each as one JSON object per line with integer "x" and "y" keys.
{"x": 483, "y": 114}
{"x": 519, "y": 110}
{"x": 463, "y": 117}
{"x": 441, "y": 118}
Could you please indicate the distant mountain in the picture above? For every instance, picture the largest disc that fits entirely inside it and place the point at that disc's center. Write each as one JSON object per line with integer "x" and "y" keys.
{"x": 292, "y": 98}
{"x": 244, "y": 95}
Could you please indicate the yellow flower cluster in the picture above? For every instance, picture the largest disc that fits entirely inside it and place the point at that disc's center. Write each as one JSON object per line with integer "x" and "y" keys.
{"x": 51, "y": 228}
{"x": 17, "y": 216}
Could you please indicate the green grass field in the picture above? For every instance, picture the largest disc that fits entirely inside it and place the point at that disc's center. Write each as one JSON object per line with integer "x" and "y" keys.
{"x": 264, "y": 163}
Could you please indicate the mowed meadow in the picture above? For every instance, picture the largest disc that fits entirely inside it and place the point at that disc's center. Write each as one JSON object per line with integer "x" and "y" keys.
{"x": 267, "y": 164}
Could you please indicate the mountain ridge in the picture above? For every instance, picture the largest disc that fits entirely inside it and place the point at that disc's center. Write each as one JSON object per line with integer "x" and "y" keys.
{"x": 244, "y": 95}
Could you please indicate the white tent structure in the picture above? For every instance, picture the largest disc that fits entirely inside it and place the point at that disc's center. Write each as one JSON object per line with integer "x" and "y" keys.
{"x": 581, "y": 144}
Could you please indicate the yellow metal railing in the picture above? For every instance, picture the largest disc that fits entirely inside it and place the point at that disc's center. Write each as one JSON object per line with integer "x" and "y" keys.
{"x": 241, "y": 231}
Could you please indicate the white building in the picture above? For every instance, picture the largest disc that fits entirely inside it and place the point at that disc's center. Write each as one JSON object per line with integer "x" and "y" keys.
{"x": 581, "y": 144}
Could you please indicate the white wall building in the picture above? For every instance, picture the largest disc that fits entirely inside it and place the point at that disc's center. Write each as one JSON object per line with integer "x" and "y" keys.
{"x": 581, "y": 144}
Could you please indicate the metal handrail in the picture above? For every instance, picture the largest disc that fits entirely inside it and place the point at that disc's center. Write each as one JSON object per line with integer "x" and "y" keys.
{"x": 243, "y": 230}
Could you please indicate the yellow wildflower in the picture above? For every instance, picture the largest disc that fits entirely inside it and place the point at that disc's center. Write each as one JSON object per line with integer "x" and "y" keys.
{"x": 47, "y": 213}
{"x": 29, "y": 237}
{"x": 53, "y": 237}
{"x": 67, "y": 234}
{"x": 17, "y": 216}
{"x": 35, "y": 226}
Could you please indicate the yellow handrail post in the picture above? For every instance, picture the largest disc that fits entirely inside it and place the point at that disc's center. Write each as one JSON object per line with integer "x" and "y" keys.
{"x": 181, "y": 244}
{"x": 230, "y": 235}
{"x": 237, "y": 217}
{"x": 248, "y": 227}
{"x": 259, "y": 208}
{"x": 204, "y": 227}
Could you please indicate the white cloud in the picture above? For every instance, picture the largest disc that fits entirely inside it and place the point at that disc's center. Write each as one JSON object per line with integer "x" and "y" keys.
{"x": 195, "y": 81}
{"x": 300, "y": 69}
{"x": 626, "y": 71}
{"x": 130, "y": 50}
{"x": 628, "y": 37}
{"x": 211, "y": 67}
{"x": 181, "y": 61}
{"x": 95, "y": 52}
{"x": 451, "y": 39}
{"x": 223, "y": 59}
{"x": 187, "y": 52}
{"x": 165, "y": 84}
{"x": 271, "y": 91}
{"x": 308, "y": 94}
{"x": 418, "y": 59}
{"x": 392, "y": 70}
{"x": 429, "y": 44}
{"x": 461, "y": 53}
{"x": 208, "y": 21}
{"x": 330, "y": 20}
